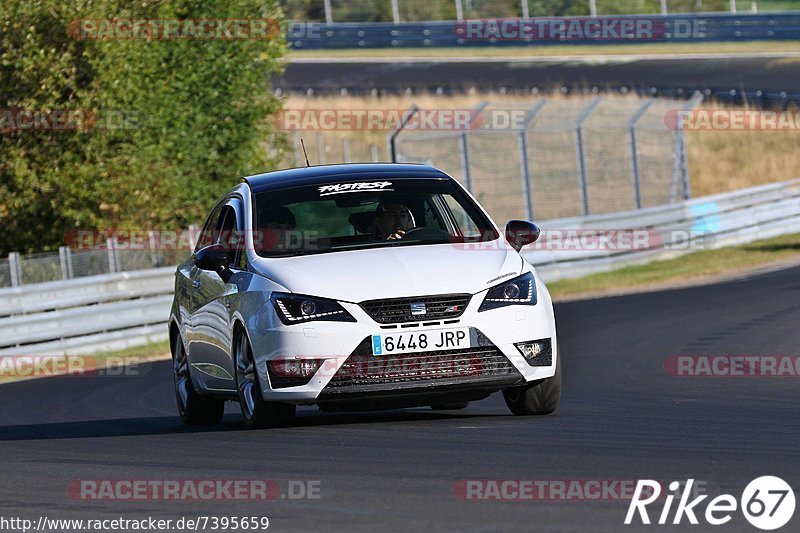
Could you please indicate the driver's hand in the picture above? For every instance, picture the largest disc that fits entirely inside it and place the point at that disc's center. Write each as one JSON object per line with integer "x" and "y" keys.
{"x": 397, "y": 235}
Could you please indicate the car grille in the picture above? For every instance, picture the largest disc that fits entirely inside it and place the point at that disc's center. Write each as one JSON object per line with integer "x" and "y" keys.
{"x": 364, "y": 372}
{"x": 397, "y": 310}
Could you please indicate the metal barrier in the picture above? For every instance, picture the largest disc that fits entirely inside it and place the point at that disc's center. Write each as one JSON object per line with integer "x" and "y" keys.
{"x": 113, "y": 311}
{"x": 670, "y": 231}
{"x": 710, "y": 27}
{"x": 85, "y": 315}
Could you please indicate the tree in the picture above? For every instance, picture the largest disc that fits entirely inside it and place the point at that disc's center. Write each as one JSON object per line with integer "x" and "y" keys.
{"x": 164, "y": 125}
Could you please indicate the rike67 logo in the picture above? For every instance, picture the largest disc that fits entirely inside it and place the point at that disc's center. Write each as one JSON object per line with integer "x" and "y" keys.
{"x": 767, "y": 502}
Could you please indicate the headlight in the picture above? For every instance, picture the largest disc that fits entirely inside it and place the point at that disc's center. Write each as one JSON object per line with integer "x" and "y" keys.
{"x": 518, "y": 291}
{"x": 295, "y": 309}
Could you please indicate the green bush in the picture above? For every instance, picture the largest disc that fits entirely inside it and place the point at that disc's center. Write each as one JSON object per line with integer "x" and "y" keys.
{"x": 168, "y": 124}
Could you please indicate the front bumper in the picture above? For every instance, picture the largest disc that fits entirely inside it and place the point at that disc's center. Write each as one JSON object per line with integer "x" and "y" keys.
{"x": 350, "y": 371}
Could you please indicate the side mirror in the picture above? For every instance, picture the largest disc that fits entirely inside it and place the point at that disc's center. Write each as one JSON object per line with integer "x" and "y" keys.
{"x": 215, "y": 259}
{"x": 521, "y": 233}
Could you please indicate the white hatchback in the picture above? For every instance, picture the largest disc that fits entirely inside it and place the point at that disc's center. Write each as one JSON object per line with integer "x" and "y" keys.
{"x": 354, "y": 287}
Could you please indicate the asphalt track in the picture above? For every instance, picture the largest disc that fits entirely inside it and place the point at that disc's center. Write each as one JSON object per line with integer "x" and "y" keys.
{"x": 623, "y": 417}
{"x": 771, "y": 74}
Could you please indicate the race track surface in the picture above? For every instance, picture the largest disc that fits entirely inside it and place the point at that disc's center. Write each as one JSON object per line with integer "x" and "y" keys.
{"x": 718, "y": 74}
{"x": 623, "y": 417}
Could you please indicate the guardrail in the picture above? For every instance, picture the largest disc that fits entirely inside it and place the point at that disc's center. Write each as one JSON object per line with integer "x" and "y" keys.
{"x": 86, "y": 315}
{"x": 119, "y": 310}
{"x": 669, "y": 231}
{"x": 704, "y": 27}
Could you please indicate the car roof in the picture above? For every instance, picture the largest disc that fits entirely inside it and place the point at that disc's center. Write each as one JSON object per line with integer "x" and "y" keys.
{"x": 325, "y": 174}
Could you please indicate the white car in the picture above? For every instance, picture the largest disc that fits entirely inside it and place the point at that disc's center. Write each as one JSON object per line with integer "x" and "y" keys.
{"x": 354, "y": 287}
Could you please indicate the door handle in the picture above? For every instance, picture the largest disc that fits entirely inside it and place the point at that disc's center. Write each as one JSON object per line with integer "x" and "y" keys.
{"x": 196, "y": 284}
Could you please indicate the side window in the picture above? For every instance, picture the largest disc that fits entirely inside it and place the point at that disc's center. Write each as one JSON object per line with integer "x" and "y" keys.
{"x": 466, "y": 226}
{"x": 208, "y": 235}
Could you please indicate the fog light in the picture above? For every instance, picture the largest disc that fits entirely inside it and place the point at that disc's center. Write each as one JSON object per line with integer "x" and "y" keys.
{"x": 537, "y": 353}
{"x": 295, "y": 368}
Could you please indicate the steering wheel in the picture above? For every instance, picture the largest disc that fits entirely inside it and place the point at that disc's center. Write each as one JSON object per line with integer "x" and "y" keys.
{"x": 424, "y": 232}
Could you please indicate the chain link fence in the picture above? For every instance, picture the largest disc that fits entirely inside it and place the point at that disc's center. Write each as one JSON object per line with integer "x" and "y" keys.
{"x": 20, "y": 269}
{"x": 324, "y": 150}
{"x": 560, "y": 158}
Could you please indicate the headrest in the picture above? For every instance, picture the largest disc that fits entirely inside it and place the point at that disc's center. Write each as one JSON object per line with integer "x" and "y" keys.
{"x": 363, "y": 222}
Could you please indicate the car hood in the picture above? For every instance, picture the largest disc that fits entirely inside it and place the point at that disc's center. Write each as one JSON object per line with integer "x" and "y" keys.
{"x": 358, "y": 275}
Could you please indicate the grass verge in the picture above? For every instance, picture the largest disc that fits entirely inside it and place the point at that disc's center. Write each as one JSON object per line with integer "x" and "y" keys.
{"x": 19, "y": 369}
{"x": 707, "y": 265}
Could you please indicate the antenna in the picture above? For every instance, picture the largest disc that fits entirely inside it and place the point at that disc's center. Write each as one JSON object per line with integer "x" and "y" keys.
{"x": 304, "y": 151}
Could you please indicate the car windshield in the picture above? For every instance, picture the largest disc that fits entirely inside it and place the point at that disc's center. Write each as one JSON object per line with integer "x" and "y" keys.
{"x": 369, "y": 213}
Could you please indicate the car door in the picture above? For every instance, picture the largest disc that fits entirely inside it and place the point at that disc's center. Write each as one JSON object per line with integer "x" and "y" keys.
{"x": 209, "y": 352}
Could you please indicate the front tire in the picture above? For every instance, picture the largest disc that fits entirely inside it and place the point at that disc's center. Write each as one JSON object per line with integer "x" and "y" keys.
{"x": 540, "y": 397}
{"x": 193, "y": 408}
{"x": 257, "y": 412}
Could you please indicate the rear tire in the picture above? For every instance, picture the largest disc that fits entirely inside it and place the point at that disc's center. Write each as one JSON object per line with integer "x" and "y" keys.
{"x": 193, "y": 408}
{"x": 257, "y": 412}
{"x": 540, "y": 397}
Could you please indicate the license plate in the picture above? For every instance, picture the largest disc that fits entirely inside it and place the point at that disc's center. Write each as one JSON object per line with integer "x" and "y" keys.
{"x": 421, "y": 341}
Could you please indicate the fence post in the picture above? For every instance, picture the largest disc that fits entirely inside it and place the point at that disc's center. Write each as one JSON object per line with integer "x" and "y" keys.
{"x": 463, "y": 143}
{"x": 637, "y": 182}
{"x": 15, "y": 269}
{"x": 680, "y": 166}
{"x": 687, "y": 184}
{"x": 527, "y": 185}
{"x": 65, "y": 257}
{"x": 112, "y": 256}
{"x": 155, "y": 248}
{"x": 582, "y": 152}
{"x": 525, "y": 12}
{"x": 466, "y": 164}
{"x": 346, "y": 150}
{"x": 407, "y": 116}
{"x": 320, "y": 149}
{"x": 373, "y": 149}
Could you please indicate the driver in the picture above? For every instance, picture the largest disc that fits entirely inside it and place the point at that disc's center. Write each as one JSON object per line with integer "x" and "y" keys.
{"x": 392, "y": 220}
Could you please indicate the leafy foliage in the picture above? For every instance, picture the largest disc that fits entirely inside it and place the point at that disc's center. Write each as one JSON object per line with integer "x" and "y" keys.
{"x": 168, "y": 124}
